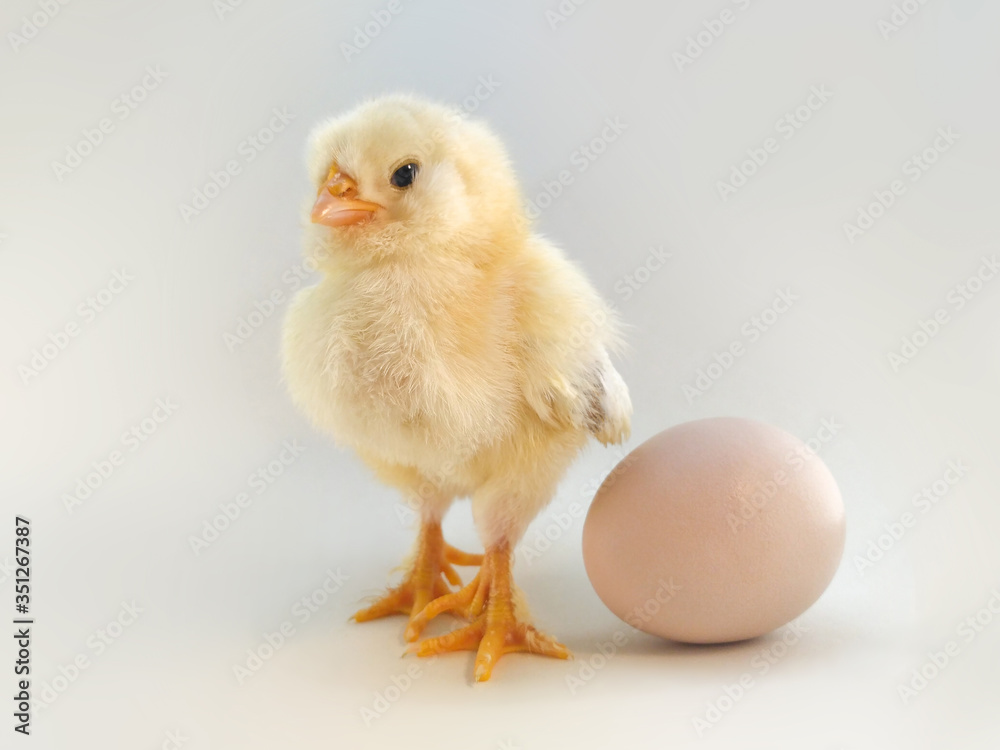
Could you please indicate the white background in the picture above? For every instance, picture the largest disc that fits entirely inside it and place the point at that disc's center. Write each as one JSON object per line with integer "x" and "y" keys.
{"x": 656, "y": 186}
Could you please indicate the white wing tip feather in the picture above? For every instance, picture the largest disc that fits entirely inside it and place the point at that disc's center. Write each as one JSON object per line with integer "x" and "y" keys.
{"x": 616, "y": 407}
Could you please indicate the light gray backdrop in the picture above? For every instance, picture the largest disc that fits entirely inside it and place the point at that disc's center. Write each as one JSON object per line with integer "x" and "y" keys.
{"x": 844, "y": 155}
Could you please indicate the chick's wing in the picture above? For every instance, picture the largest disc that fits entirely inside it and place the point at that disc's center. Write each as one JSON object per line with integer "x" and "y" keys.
{"x": 566, "y": 331}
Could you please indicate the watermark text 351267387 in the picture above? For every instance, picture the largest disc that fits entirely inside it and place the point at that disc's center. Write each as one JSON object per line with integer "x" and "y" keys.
{"x": 22, "y": 626}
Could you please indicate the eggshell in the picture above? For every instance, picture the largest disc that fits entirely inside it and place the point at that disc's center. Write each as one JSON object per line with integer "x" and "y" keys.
{"x": 715, "y": 530}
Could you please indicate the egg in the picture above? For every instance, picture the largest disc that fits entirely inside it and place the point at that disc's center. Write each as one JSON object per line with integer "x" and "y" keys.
{"x": 715, "y": 530}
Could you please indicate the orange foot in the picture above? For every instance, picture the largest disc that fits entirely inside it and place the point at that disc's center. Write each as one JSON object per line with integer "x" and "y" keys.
{"x": 494, "y": 631}
{"x": 425, "y": 581}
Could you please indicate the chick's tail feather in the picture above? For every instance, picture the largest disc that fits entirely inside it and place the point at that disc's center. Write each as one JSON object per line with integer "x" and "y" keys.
{"x": 609, "y": 408}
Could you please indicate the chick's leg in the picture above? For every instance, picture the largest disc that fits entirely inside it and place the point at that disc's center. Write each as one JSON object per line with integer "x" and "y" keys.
{"x": 496, "y": 629}
{"x": 428, "y": 577}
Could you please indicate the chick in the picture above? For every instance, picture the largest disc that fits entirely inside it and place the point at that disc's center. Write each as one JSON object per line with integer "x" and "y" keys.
{"x": 458, "y": 353}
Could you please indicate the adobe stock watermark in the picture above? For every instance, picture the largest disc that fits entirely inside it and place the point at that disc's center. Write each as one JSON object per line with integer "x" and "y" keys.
{"x": 104, "y": 468}
{"x": 301, "y": 612}
{"x": 938, "y": 660}
{"x": 429, "y": 489}
{"x": 259, "y": 481}
{"x": 591, "y": 487}
{"x": 632, "y": 282}
{"x": 957, "y": 297}
{"x": 486, "y": 86}
{"x": 386, "y": 697}
{"x": 885, "y": 198}
{"x": 752, "y": 504}
{"x": 174, "y": 739}
{"x": 223, "y": 8}
{"x": 264, "y": 308}
{"x": 561, "y": 13}
{"x": 786, "y": 126}
{"x": 553, "y": 525}
{"x": 584, "y": 331}
{"x": 588, "y": 668}
{"x": 581, "y": 158}
{"x": 922, "y": 502}
{"x": 248, "y": 150}
{"x": 901, "y": 14}
{"x": 86, "y": 313}
{"x": 750, "y": 333}
{"x": 734, "y": 692}
{"x": 369, "y": 30}
{"x": 122, "y": 107}
{"x": 32, "y": 25}
{"x": 706, "y": 36}
{"x": 97, "y": 644}
{"x": 6, "y": 569}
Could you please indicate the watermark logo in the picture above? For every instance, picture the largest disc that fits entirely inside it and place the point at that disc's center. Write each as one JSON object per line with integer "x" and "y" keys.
{"x": 32, "y": 25}
{"x": 249, "y": 148}
{"x": 751, "y": 331}
{"x": 786, "y": 126}
{"x": 923, "y": 501}
{"x": 259, "y": 481}
{"x": 928, "y": 328}
{"x": 365, "y": 33}
{"x": 122, "y": 107}
{"x": 87, "y": 312}
{"x": 884, "y": 198}
{"x": 103, "y": 469}
{"x": 581, "y": 158}
{"x": 705, "y": 37}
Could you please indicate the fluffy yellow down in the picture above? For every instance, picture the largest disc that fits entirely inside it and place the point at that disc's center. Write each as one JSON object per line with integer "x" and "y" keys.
{"x": 456, "y": 352}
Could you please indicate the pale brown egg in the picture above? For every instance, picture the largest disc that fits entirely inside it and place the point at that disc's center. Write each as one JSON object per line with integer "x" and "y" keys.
{"x": 715, "y": 530}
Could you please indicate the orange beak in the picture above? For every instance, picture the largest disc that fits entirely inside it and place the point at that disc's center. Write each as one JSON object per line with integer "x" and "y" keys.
{"x": 337, "y": 204}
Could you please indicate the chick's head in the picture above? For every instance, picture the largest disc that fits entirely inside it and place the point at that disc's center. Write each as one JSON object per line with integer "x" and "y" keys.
{"x": 402, "y": 175}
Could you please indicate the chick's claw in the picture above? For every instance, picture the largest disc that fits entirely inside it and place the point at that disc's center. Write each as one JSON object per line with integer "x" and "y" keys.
{"x": 495, "y": 629}
{"x": 407, "y": 598}
{"x": 492, "y": 637}
{"x": 428, "y": 578}
{"x": 457, "y": 557}
{"x": 466, "y": 603}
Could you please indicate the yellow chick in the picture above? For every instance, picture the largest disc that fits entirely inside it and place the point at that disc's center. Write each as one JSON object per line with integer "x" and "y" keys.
{"x": 458, "y": 353}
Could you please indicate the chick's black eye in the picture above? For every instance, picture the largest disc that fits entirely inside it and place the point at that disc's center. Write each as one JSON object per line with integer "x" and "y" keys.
{"x": 405, "y": 175}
